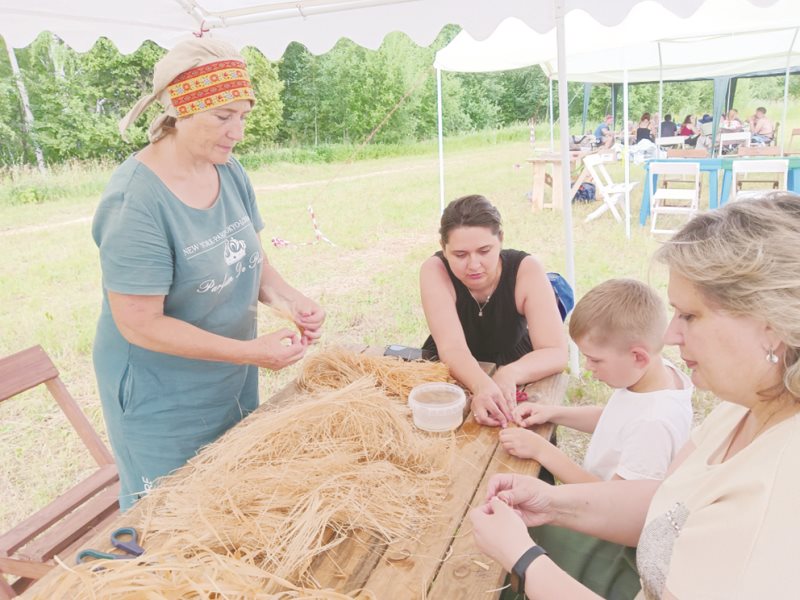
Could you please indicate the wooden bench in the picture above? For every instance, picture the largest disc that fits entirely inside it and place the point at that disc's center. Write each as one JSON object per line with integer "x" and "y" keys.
{"x": 61, "y": 527}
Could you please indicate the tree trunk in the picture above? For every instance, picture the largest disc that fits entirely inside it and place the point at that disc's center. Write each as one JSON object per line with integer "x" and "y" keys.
{"x": 27, "y": 122}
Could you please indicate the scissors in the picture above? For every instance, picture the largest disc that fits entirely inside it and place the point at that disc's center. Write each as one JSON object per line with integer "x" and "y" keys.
{"x": 130, "y": 547}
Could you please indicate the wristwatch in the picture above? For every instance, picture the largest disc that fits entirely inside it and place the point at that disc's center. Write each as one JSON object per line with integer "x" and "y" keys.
{"x": 519, "y": 568}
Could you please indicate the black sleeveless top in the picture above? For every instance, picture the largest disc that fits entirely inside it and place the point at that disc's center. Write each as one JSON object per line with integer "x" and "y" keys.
{"x": 501, "y": 334}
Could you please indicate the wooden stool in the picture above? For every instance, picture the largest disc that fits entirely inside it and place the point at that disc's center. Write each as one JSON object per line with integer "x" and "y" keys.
{"x": 541, "y": 178}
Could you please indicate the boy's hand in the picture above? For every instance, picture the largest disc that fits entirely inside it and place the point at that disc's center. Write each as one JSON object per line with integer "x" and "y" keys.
{"x": 522, "y": 443}
{"x": 528, "y": 414}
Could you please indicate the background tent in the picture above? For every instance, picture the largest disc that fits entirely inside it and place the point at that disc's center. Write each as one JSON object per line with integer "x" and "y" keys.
{"x": 720, "y": 39}
{"x": 514, "y": 44}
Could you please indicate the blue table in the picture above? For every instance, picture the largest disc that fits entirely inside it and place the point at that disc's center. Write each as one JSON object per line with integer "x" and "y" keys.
{"x": 713, "y": 166}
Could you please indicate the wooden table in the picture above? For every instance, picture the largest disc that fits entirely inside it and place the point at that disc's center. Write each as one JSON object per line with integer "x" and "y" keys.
{"x": 541, "y": 178}
{"x": 443, "y": 562}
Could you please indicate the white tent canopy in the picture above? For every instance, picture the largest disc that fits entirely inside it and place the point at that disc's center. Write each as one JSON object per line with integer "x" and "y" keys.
{"x": 723, "y": 37}
{"x": 271, "y": 24}
{"x": 697, "y": 57}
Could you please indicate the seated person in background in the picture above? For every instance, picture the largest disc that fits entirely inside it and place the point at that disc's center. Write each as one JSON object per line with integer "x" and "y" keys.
{"x": 761, "y": 128}
{"x": 731, "y": 121}
{"x": 603, "y": 133}
{"x": 706, "y": 130}
{"x": 668, "y": 127}
{"x": 631, "y": 132}
{"x": 643, "y": 129}
{"x": 655, "y": 128}
{"x": 688, "y": 129}
{"x": 619, "y": 327}
{"x": 484, "y": 303}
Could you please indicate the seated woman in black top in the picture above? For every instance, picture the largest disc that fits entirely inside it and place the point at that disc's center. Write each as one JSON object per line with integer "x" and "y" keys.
{"x": 643, "y": 131}
{"x": 483, "y": 303}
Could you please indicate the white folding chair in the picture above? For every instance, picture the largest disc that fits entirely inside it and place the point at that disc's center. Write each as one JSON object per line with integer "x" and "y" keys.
{"x": 609, "y": 192}
{"x": 779, "y": 168}
{"x": 731, "y": 139}
{"x": 673, "y": 141}
{"x": 790, "y": 149}
{"x": 673, "y": 200}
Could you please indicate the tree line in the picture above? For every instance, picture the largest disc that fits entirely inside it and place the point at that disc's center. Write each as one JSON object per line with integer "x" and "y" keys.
{"x": 348, "y": 95}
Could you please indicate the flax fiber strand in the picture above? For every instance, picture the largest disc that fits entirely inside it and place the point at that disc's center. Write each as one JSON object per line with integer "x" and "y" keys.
{"x": 337, "y": 367}
{"x": 247, "y": 516}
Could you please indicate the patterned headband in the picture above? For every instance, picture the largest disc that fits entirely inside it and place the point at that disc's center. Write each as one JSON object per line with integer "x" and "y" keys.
{"x": 210, "y": 86}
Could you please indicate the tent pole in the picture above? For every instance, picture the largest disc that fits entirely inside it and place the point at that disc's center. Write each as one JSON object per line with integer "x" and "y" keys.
{"x": 587, "y": 94}
{"x": 614, "y": 89}
{"x": 786, "y": 88}
{"x": 720, "y": 87}
{"x": 441, "y": 144}
{"x": 563, "y": 116}
{"x": 552, "y": 122}
{"x": 660, "y": 91}
{"x": 626, "y": 155}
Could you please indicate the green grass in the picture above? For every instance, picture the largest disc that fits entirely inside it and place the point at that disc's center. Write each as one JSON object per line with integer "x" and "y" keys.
{"x": 381, "y": 213}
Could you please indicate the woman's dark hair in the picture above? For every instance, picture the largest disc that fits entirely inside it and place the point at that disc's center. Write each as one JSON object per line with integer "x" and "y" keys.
{"x": 645, "y": 116}
{"x": 687, "y": 120}
{"x": 470, "y": 211}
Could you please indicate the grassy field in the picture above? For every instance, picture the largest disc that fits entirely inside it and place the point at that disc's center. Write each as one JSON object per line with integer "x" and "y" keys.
{"x": 382, "y": 216}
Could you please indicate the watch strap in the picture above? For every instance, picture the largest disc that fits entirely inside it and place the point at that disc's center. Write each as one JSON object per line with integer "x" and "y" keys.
{"x": 521, "y": 566}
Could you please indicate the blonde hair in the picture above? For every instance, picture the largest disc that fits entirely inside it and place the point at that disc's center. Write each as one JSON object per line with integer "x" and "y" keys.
{"x": 622, "y": 312}
{"x": 745, "y": 259}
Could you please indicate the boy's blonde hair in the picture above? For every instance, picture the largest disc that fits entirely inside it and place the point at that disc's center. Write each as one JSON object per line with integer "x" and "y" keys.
{"x": 622, "y": 312}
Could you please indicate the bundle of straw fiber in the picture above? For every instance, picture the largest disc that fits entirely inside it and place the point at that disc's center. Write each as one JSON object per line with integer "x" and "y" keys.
{"x": 336, "y": 367}
{"x": 254, "y": 509}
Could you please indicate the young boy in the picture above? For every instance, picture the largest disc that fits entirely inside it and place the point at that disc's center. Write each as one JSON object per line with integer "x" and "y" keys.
{"x": 618, "y": 326}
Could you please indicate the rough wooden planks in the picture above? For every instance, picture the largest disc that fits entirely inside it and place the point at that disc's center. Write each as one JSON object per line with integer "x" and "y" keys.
{"x": 468, "y": 574}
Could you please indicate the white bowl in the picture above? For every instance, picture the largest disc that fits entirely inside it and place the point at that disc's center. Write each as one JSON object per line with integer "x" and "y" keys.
{"x": 437, "y": 406}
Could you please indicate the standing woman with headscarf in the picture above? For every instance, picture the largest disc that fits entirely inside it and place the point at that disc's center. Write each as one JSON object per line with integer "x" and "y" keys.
{"x": 176, "y": 352}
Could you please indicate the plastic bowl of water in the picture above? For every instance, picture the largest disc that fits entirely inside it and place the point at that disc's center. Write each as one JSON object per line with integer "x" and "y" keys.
{"x": 437, "y": 406}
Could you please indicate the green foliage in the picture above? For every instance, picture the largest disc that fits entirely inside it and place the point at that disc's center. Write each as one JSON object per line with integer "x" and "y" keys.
{"x": 524, "y": 95}
{"x": 265, "y": 118}
{"x": 483, "y": 92}
{"x": 13, "y": 148}
{"x": 299, "y": 72}
{"x": 77, "y": 100}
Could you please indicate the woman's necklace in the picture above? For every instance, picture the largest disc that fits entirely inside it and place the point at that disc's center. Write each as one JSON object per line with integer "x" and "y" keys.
{"x": 481, "y": 306}
{"x": 489, "y": 295}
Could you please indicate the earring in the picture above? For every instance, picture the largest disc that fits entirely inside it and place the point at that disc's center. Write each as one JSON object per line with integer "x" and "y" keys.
{"x": 772, "y": 357}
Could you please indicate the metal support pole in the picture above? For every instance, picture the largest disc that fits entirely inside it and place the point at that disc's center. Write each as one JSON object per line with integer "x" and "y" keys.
{"x": 441, "y": 141}
{"x": 563, "y": 116}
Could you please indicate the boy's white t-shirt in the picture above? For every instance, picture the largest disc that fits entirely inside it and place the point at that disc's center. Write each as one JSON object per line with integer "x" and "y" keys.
{"x": 639, "y": 434}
